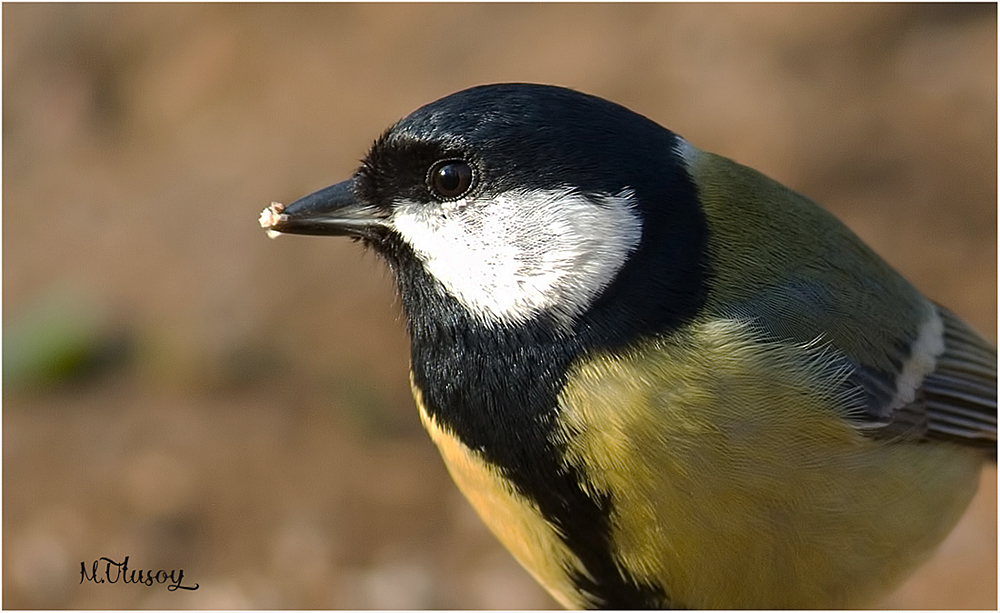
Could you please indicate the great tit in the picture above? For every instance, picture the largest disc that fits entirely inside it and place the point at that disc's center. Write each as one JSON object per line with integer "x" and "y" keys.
{"x": 661, "y": 378}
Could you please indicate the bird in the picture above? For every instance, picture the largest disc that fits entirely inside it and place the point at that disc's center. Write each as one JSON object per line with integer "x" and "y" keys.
{"x": 662, "y": 379}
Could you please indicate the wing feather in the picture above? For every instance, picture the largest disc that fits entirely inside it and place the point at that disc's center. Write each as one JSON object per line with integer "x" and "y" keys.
{"x": 960, "y": 395}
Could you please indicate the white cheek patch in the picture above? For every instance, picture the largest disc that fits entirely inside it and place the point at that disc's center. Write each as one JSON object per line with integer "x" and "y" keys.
{"x": 508, "y": 258}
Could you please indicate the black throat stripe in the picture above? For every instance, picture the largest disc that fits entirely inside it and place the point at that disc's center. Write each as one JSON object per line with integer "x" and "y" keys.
{"x": 499, "y": 399}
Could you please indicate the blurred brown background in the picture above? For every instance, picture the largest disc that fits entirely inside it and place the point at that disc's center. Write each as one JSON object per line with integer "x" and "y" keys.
{"x": 181, "y": 390}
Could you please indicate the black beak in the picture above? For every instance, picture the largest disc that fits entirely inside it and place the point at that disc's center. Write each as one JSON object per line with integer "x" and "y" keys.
{"x": 333, "y": 211}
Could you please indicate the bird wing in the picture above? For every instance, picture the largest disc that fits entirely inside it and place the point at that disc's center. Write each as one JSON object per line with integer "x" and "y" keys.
{"x": 959, "y": 396}
{"x": 951, "y": 396}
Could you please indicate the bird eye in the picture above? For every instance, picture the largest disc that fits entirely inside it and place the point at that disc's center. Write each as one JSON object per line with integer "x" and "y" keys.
{"x": 450, "y": 179}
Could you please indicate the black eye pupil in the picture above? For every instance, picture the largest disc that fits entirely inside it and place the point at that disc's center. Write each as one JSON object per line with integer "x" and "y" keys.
{"x": 450, "y": 179}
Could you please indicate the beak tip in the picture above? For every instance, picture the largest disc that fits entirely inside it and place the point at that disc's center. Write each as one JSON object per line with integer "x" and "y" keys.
{"x": 270, "y": 217}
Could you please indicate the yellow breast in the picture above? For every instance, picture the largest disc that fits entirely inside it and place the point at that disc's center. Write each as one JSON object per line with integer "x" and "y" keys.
{"x": 734, "y": 479}
{"x": 736, "y": 482}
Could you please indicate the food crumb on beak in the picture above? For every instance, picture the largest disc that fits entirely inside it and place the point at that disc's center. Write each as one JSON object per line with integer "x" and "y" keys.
{"x": 269, "y": 217}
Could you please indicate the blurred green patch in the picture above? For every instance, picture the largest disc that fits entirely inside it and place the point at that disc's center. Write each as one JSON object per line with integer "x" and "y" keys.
{"x": 247, "y": 362}
{"x": 61, "y": 337}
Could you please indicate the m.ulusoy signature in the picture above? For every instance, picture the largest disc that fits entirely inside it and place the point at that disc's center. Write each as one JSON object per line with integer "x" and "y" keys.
{"x": 123, "y": 573}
